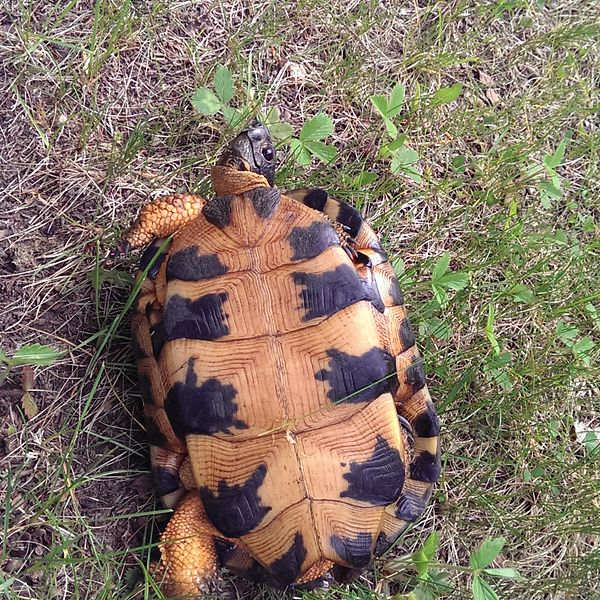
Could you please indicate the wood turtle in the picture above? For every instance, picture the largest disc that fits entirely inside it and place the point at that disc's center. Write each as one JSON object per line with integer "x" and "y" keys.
{"x": 290, "y": 424}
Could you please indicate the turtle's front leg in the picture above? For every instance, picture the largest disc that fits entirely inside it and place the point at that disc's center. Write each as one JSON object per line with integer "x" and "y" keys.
{"x": 163, "y": 217}
{"x": 188, "y": 563}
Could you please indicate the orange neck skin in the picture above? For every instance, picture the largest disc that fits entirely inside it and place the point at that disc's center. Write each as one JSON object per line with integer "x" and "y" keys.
{"x": 228, "y": 181}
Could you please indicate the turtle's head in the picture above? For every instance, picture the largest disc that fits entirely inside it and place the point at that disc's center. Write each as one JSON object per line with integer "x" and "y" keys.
{"x": 252, "y": 150}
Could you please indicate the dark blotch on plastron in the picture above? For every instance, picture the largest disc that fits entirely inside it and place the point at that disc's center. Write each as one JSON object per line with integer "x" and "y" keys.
{"x": 308, "y": 242}
{"x": 327, "y": 293}
{"x": 349, "y": 216}
{"x": 265, "y": 201}
{"x": 165, "y": 480}
{"x": 157, "y": 335}
{"x": 288, "y": 568}
{"x": 425, "y": 467}
{"x": 148, "y": 255}
{"x": 202, "y": 409}
{"x": 356, "y": 552}
{"x": 358, "y": 378}
{"x": 201, "y": 319}
{"x": 218, "y": 210}
{"x": 407, "y": 336}
{"x": 426, "y": 424}
{"x": 415, "y": 374}
{"x": 189, "y": 265}
{"x": 235, "y": 510}
{"x": 155, "y": 436}
{"x": 377, "y": 480}
{"x": 316, "y": 199}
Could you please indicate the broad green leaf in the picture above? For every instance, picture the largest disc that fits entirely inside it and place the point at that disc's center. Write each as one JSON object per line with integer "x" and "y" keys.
{"x": 299, "y": 152}
{"x": 223, "y": 84}
{"x": 35, "y": 354}
{"x": 454, "y": 281}
{"x": 402, "y": 161}
{"x": 482, "y": 590}
{"x": 232, "y": 116}
{"x": 440, "y": 295}
{"x": 458, "y": 164}
{"x": 322, "y": 151}
{"x": 390, "y": 128}
{"x": 488, "y": 551}
{"x": 430, "y": 545}
{"x": 396, "y": 100}
{"x": 205, "y": 101}
{"x": 550, "y": 190}
{"x": 317, "y": 128}
{"x": 441, "y": 266}
{"x": 440, "y": 329}
{"x": 489, "y": 329}
{"x": 508, "y": 573}
{"x": 280, "y": 130}
{"x": 589, "y": 308}
{"x": 553, "y": 160}
{"x": 397, "y": 143}
{"x": 566, "y": 332}
{"x": 584, "y": 346}
{"x": 380, "y": 103}
{"x": 421, "y": 563}
{"x": 521, "y": 293}
{"x": 364, "y": 178}
{"x": 398, "y": 266}
{"x": 447, "y": 94}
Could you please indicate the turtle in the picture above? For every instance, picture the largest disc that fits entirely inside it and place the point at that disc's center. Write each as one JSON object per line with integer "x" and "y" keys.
{"x": 290, "y": 425}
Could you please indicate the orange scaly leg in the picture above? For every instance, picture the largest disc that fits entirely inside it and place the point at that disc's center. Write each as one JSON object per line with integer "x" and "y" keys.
{"x": 188, "y": 564}
{"x": 163, "y": 217}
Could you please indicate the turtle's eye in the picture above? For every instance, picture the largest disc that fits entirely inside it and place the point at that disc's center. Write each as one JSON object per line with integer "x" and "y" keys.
{"x": 267, "y": 153}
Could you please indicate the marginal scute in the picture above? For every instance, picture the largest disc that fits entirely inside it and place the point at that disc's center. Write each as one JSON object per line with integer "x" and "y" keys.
{"x": 355, "y": 552}
{"x": 153, "y": 432}
{"x": 165, "y": 481}
{"x": 407, "y": 335}
{"x": 147, "y": 257}
{"x": 425, "y": 467}
{"x": 415, "y": 374}
{"x": 237, "y": 509}
{"x": 427, "y": 423}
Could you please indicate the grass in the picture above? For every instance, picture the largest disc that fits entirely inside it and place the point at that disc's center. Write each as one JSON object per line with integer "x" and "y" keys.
{"x": 98, "y": 118}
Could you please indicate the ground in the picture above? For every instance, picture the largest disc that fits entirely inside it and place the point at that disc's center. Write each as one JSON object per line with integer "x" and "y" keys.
{"x": 488, "y": 207}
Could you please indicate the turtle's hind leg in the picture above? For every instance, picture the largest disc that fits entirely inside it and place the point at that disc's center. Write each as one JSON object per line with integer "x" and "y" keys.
{"x": 188, "y": 562}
